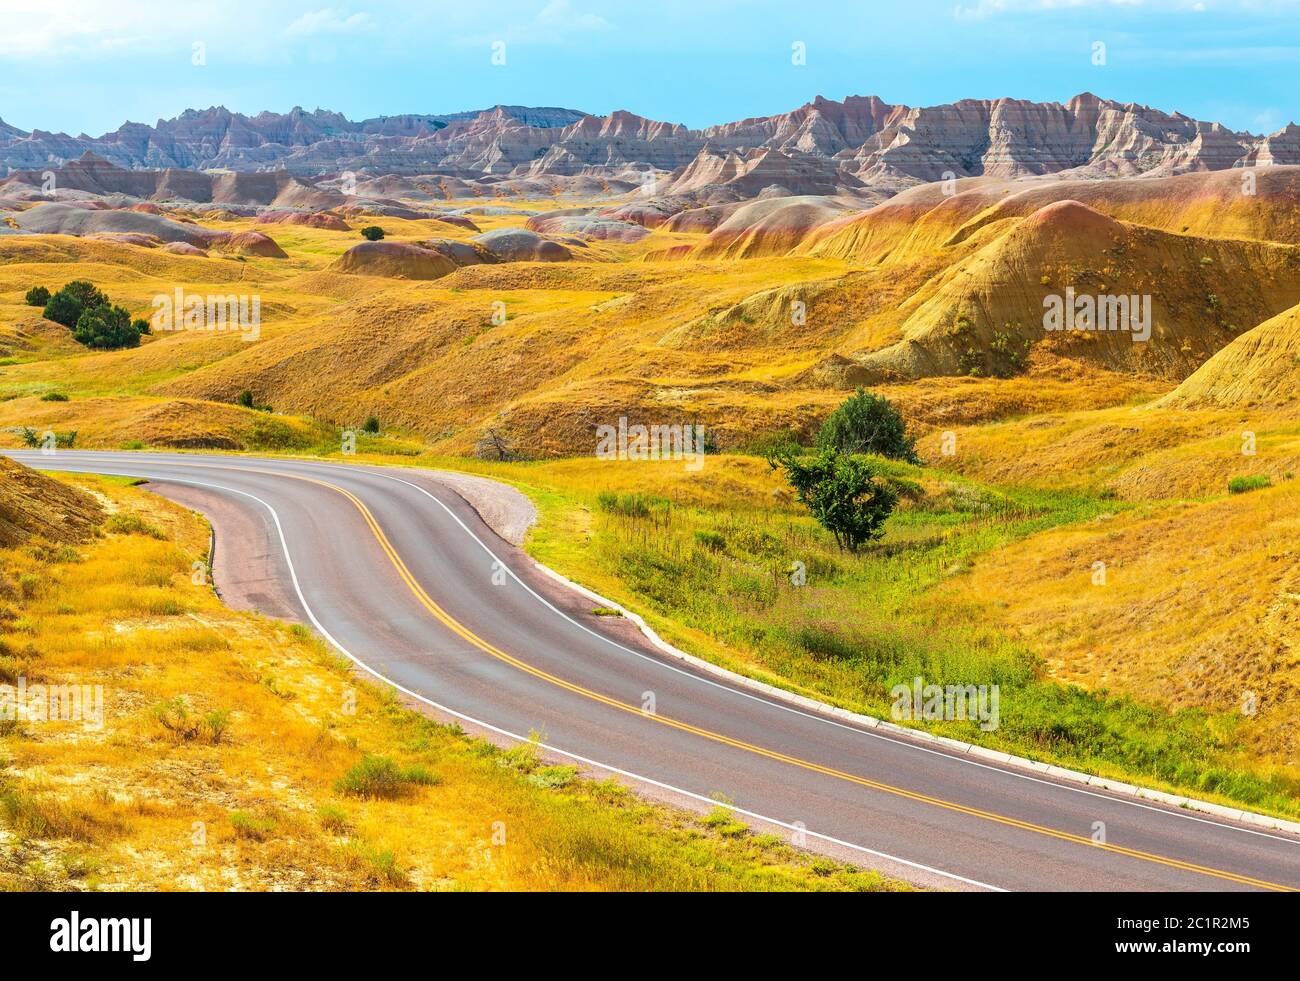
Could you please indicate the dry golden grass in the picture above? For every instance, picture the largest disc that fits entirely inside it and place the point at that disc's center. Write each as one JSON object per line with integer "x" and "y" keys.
{"x": 226, "y": 736}
{"x": 607, "y": 335}
{"x": 1199, "y": 605}
{"x": 627, "y": 332}
{"x": 1135, "y": 453}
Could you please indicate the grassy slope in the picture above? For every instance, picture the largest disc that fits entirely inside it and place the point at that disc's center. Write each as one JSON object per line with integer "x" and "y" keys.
{"x": 971, "y": 585}
{"x": 978, "y": 580}
{"x": 134, "y": 806}
{"x": 608, "y": 335}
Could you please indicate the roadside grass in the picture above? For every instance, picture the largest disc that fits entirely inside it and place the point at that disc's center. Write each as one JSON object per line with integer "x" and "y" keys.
{"x": 338, "y": 787}
{"x": 712, "y": 559}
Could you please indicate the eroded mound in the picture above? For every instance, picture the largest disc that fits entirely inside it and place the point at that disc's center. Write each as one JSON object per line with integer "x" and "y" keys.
{"x": 588, "y": 227}
{"x": 1072, "y": 282}
{"x": 307, "y": 219}
{"x": 184, "y": 248}
{"x": 400, "y": 260}
{"x": 35, "y": 506}
{"x": 1260, "y": 369}
{"x": 772, "y": 226}
{"x": 1257, "y": 203}
{"x": 249, "y": 243}
{"x": 140, "y": 228}
{"x": 66, "y": 219}
{"x": 522, "y": 245}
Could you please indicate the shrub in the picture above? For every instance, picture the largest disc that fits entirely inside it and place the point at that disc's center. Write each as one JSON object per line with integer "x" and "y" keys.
{"x": 867, "y": 423}
{"x": 180, "y": 723}
{"x": 634, "y": 505}
{"x": 63, "y": 309}
{"x": 133, "y": 524}
{"x": 334, "y": 820}
{"x": 497, "y": 443}
{"x": 54, "y": 397}
{"x": 174, "y": 716}
{"x": 723, "y": 820}
{"x": 524, "y": 758}
{"x": 843, "y": 494}
{"x": 712, "y": 540}
{"x": 377, "y": 866}
{"x": 68, "y": 304}
{"x": 372, "y": 233}
{"x": 245, "y": 398}
{"x": 1240, "y": 485}
{"x": 106, "y": 328}
{"x": 216, "y": 724}
{"x": 250, "y": 828}
{"x": 38, "y": 296}
{"x": 85, "y": 293}
{"x": 554, "y": 777}
{"x": 381, "y": 777}
{"x": 30, "y": 437}
{"x": 371, "y": 425}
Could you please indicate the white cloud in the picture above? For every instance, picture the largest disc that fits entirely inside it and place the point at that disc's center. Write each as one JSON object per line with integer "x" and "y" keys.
{"x": 33, "y": 28}
{"x": 558, "y": 15}
{"x": 328, "y": 21}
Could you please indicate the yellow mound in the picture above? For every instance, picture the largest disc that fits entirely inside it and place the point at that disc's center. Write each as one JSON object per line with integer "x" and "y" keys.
{"x": 768, "y": 227}
{"x": 1257, "y": 203}
{"x": 1261, "y": 368}
{"x": 400, "y": 260}
{"x": 178, "y": 423}
{"x": 33, "y": 505}
{"x": 1171, "y": 301}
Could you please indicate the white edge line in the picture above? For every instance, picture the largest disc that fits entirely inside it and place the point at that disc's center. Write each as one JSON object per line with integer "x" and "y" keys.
{"x": 1066, "y": 779}
{"x": 1120, "y": 791}
{"x": 522, "y": 739}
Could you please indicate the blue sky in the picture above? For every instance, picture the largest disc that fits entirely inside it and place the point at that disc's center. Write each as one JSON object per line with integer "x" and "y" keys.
{"x": 86, "y": 66}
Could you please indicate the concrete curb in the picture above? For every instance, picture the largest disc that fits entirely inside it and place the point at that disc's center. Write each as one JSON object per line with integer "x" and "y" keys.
{"x": 980, "y": 752}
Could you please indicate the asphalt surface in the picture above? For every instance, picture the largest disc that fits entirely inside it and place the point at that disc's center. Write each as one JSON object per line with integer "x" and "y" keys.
{"x": 401, "y": 574}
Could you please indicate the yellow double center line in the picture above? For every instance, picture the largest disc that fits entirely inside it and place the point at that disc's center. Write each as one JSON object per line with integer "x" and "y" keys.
{"x": 464, "y": 632}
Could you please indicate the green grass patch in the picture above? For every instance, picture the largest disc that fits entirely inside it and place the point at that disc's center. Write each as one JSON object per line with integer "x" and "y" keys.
{"x": 1242, "y": 485}
{"x": 381, "y": 777}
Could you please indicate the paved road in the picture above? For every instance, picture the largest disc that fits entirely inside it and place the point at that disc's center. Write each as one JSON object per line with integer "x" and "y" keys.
{"x": 401, "y": 574}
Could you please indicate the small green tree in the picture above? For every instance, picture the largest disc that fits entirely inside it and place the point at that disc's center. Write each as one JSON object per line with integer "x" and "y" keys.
{"x": 38, "y": 296}
{"x": 246, "y": 399}
{"x": 106, "y": 328}
{"x": 843, "y": 493}
{"x": 68, "y": 304}
{"x": 85, "y": 293}
{"x": 63, "y": 309}
{"x": 371, "y": 425}
{"x": 867, "y": 423}
{"x": 372, "y": 233}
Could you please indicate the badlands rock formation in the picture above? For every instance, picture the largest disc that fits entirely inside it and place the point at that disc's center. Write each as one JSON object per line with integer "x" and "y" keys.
{"x": 861, "y": 138}
{"x": 131, "y": 227}
{"x": 522, "y": 245}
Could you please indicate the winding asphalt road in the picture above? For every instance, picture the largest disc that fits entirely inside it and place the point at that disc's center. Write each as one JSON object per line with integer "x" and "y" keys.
{"x": 399, "y": 572}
